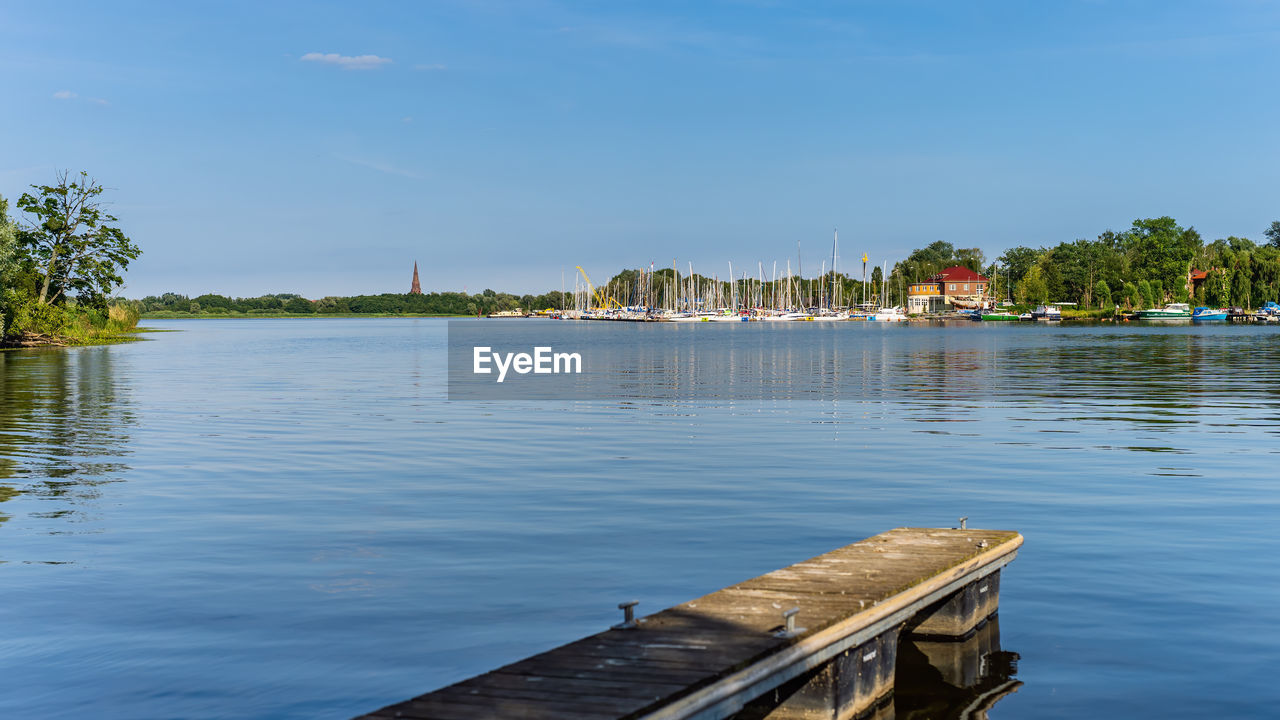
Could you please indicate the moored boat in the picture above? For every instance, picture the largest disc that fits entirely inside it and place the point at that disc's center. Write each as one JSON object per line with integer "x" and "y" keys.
{"x": 1172, "y": 311}
{"x": 1205, "y": 314}
{"x": 998, "y": 316}
{"x": 1047, "y": 312}
{"x": 517, "y": 313}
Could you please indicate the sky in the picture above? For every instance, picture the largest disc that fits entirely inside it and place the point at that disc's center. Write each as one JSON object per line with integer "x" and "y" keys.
{"x": 324, "y": 147}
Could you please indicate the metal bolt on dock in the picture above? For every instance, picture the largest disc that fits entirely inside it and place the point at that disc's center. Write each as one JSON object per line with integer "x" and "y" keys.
{"x": 628, "y": 615}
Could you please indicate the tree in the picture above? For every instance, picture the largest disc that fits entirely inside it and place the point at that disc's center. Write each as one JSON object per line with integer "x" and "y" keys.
{"x": 8, "y": 239}
{"x": 8, "y": 267}
{"x": 1241, "y": 288}
{"x": 1052, "y": 273}
{"x": 1132, "y": 296}
{"x": 1147, "y": 293}
{"x": 1162, "y": 251}
{"x": 1033, "y": 288}
{"x": 1017, "y": 261}
{"x": 299, "y": 305}
{"x": 971, "y": 258}
{"x": 1273, "y": 234}
{"x": 1102, "y": 294}
{"x": 71, "y": 241}
{"x": 1217, "y": 288}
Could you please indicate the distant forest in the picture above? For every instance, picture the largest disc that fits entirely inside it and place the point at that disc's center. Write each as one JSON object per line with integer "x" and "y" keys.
{"x": 443, "y": 303}
{"x": 1147, "y": 265}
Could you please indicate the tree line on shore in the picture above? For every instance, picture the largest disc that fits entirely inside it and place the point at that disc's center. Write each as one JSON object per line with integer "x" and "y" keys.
{"x": 60, "y": 264}
{"x": 1147, "y": 265}
{"x": 436, "y": 303}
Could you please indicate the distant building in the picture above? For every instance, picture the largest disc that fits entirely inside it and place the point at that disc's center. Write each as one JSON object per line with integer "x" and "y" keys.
{"x": 952, "y": 289}
{"x": 1195, "y": 279}
{"x": 415, "y": 288}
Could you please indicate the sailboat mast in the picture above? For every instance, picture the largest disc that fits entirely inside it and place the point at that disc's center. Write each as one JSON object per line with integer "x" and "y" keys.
{"x": 800, "y": 272}
{"x": 835, "y": 242}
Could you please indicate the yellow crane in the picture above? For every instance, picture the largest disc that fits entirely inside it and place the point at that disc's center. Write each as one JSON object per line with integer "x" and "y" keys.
{"x": 592, "y": 288}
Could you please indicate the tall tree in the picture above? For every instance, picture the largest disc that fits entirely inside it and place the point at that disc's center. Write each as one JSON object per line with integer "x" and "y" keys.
{"x": 972, "y": 258}
{"x": 72, "y": 241}
{"x": 1161, "y": 251}
{"x": 1273, "y": 234}
{"x": 8, "y": 243}
{"x": 1018, "y": 260}
{"x": 8, "y": 267}
{"x": 1102, "y": 294}
{"x": 1033, "y": 288}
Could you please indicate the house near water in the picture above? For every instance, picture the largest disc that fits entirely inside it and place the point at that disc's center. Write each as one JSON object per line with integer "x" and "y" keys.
{"x": 956, "y": 288}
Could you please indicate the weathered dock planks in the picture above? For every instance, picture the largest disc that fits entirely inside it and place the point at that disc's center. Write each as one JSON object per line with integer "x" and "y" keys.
{"x": 710, "y": 657}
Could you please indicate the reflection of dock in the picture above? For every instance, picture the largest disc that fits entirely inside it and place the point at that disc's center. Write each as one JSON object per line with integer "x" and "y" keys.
{"x": 953, "y": 678}
{"x": 817, "y": 639}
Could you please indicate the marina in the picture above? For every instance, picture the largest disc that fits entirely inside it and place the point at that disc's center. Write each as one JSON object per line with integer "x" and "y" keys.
{"x": 955, "y": 293}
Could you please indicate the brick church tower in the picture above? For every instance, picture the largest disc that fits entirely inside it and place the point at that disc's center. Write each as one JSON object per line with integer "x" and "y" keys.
{"x": 415, "y": 289}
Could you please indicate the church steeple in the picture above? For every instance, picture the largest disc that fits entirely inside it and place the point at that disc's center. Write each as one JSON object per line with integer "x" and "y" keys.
{"x": 415, "y": 289}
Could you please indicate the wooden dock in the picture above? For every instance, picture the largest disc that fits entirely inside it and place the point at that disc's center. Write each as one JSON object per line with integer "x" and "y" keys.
{"x": 730, "y": 652}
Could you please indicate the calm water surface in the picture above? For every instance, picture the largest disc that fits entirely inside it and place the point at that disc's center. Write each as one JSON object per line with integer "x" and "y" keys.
{"x": 287, "y": 519}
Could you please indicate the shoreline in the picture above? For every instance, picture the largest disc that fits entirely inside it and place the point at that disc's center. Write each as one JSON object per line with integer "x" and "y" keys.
{"x": 163, "y": 315}
{"x": 37, "y": 342}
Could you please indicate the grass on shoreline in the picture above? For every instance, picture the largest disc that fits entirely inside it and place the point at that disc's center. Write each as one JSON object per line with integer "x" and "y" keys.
{"x": 36, "y": 326}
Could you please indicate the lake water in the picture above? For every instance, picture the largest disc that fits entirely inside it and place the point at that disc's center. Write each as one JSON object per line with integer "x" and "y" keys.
{"x": 288, "y": 519}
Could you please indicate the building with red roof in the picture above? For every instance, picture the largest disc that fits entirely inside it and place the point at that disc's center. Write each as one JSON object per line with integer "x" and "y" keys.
{"x": 955, "y": 288}
{"x": 1195, "y": 279}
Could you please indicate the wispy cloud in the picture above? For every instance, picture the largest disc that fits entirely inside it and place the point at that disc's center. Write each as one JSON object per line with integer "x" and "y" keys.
{"x": 378, "y": 165}
{"x": 69, "y": 95}
{"x": 430, "y": 67}
{"x": 348, "y": 62}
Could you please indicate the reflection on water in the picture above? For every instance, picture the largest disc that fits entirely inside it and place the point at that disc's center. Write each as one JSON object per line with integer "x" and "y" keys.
{"x": 64, "y": 431}
{"x": 1150, "y": 377}
{"x": 926, "y": 679}
{"x": 953, "y": 679}
{"x": 311, "y": 529}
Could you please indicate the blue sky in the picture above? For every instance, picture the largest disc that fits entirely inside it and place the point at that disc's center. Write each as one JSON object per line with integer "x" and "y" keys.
{"x": 321, "y": 148}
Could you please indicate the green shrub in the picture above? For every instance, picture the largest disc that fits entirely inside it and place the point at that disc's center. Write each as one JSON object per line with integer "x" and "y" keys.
{"x": 37, "y": 319}
{"x": 299, "y": 305}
